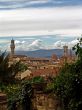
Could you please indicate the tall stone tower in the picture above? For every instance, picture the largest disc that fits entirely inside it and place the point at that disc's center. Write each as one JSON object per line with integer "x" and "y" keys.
{"x": 12, "y": 46}
{"x": 70, "y": 52}
{"x": 65, "y": 50}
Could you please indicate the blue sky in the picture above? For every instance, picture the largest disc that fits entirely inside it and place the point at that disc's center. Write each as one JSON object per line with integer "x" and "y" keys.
{"x": 40, "y": 24}
{"x": 14, "y": 4}
{"x": 32, "y": 43}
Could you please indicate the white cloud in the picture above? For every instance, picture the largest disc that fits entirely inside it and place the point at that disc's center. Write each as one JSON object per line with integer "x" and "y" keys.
{"x": 4, "y": 41}
{"x": 60, "y": 44}
{"x": 63, "y": 13}
{"x": 23, "y": 45}
{"x": 72, "y": 43}
{"x": 65, "y": 20}
{"x": 19, "y": 42}
{"x": 27, "y": 38}
{"x": 38, "y": 44}
{"x": 35, "y": 45}
{"x": 37, "y": 1}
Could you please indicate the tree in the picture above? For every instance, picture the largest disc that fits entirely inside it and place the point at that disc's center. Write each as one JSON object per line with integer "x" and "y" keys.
{"x": 27, "y": 93}
{"x": 68, "y": 85}
{"x": 20, "y": 96}
{"x": 8, "y": 72}
{"x": 22, "y": 67}
{"x": 17, "y": 93}
{"x": 5, "y": 70}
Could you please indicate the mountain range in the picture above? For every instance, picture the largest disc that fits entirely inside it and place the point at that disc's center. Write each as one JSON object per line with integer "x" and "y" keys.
{"x": 42, "y": 53}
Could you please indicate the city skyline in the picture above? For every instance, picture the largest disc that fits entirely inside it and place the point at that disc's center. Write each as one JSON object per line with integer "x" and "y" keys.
{"x": 33, "y": 43}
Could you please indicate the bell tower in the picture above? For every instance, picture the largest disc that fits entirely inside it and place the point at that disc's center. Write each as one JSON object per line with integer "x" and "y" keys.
{"x": 65, "y": 50}
{"x": 12, "y": 46}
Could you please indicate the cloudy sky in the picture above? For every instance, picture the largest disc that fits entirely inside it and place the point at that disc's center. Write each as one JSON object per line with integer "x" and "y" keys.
{"x": 40, "y": 24}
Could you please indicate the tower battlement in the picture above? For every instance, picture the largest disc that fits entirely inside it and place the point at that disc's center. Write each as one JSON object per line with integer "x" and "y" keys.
{"x": 12, "y": 46}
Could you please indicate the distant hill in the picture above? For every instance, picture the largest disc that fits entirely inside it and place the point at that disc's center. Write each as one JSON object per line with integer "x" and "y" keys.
{"x": 41, "y": 53}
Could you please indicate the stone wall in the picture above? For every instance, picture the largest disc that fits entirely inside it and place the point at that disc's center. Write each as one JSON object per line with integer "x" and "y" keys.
{"x": 42, "y": 101}
{"x": 3, "y": 101}
{"x": 3, "y": 106}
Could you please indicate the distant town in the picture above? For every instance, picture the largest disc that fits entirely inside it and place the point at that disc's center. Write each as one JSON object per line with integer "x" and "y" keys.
{"x": 39, "y": 83}
{"x": 44, "y": 67}
{"x": 40, "y": 54}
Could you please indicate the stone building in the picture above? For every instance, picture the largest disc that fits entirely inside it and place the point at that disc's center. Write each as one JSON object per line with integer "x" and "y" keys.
{"x": 12, "y": 46}
{"x": 65, "y": 50}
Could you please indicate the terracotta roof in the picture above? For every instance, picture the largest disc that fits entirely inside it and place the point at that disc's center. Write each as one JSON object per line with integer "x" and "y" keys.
{"x": 45, "y": 72}
{"x": 31, "y": 58}
{"x": 20, "y": 56}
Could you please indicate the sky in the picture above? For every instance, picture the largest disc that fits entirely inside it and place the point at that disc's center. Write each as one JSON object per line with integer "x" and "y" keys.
{"x": 40, "y": 24}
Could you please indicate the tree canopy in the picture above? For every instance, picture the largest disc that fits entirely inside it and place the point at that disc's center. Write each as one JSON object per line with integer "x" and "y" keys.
{"x": 68, "y": 85}
{"x": 7, "y": 71}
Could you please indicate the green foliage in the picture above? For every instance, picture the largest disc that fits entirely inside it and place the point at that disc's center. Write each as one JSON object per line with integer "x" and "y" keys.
{"x": 37, "y": 79}
{"x": 13, "y": 96}
{"x": 20, "y": 67}
{"x": 68, "y": 85}
{"x": 19, "y": 95}
{"x": 49, "y": 88}
{"x": 3, "y": 66}
{"x": 8, "y": 72}
{"x": 27, "y": 93}
{"x": 78, "y": 48}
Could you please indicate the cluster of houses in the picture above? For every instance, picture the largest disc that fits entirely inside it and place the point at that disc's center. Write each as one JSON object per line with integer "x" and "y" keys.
{"x": 41, "y": 66}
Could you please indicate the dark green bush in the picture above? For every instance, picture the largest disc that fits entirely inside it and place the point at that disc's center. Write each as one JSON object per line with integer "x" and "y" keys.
{"x": 68, "y": 85}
